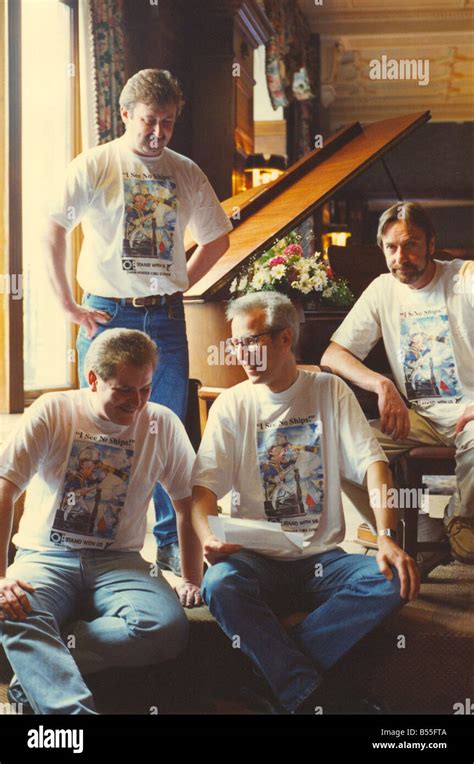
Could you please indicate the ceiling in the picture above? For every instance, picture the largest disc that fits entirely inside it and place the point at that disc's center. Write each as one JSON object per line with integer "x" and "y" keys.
{"x": 355, "y": 33}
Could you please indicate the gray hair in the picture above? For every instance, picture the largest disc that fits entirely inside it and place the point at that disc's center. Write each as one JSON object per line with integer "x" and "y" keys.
{"x": 155, "y": 87}
{"x": 280, "y": 313}
{"x": 411, "y": 213}
{"x": 116, "y": 346}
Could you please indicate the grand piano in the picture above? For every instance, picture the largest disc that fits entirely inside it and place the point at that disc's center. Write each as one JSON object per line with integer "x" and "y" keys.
{"x": 263, "y": 215}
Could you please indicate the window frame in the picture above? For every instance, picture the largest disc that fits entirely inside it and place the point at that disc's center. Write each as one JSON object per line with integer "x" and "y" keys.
{"x": 17, "y": 397}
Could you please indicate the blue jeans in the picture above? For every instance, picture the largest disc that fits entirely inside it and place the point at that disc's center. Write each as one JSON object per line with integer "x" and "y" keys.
{"x": 347, "y": 598}
{"x": 170, "y": 380}
{"x": 131, "y": 618}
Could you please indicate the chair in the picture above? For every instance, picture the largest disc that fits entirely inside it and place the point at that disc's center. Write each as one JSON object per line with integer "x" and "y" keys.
{"x": 409, "y": 469}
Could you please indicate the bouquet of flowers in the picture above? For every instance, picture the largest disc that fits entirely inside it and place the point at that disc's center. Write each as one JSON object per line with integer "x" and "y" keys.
{"x": 285, "y": 268}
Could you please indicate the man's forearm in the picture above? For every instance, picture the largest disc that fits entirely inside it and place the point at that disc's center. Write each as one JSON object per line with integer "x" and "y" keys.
{"x": 8, "y": 493}
{"x": 205, "y": 256}
{"x": 347, "y": 365}
{"x": 204, "y": 504}
{"x": 55, "y": 255}
{"x": 379, "y": 485}
{"x": 189, "y": 544}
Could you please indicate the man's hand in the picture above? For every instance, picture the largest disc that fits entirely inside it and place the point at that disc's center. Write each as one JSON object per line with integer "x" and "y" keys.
{"x": 390, "y": 554}
{"x": 394, "y": 418}
{"x": 88, "y": 318}
{"x": 189, "y": 594}
{"x": 215, "y": 550}
{"x": 466, "y": 416}
{"x": 14, "y": 603}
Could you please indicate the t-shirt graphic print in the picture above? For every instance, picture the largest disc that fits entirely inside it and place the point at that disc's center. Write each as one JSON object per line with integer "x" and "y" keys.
{"x": 427, "y": 356}
{"x": 291, "y": 471}
{"x": 93, "y": 493}
{"x": 149, "y": 223}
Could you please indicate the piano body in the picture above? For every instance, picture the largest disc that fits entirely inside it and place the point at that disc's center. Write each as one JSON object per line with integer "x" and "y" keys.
{"x": 265, "y": 214}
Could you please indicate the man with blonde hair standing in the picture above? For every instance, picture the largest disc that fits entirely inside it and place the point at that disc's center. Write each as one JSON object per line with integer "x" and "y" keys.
{"x": 135, "y": 197}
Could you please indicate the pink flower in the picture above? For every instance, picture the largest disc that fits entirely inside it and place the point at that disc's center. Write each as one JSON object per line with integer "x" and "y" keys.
{"x": 277, "y": 261}
{"x": 293, "y": 249}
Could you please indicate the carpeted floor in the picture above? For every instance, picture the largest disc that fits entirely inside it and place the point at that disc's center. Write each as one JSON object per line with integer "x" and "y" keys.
{"x": 418, "y": 661}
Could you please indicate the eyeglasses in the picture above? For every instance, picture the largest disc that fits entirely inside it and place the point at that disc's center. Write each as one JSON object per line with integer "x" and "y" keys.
{"x": 233, "y": 344}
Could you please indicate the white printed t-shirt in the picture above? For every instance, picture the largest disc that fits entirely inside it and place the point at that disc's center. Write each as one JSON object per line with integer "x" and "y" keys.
{"x": 282, "y": 454}
{"x": 134, "y": 211}
{"x": 89, "y": 480}
{"x": 428, "y": 335}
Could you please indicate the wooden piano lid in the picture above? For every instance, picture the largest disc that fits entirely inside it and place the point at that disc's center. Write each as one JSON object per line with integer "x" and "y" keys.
{"x": 267, "y": 213}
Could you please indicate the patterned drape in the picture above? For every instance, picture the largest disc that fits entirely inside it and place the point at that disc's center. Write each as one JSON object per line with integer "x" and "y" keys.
{"x": 290, "y": 61}
{"x": 108, "y": 41}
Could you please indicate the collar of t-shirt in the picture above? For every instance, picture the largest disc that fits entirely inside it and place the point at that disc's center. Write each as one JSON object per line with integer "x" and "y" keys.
{"x": 103, "y": 425}
{"x": 426, "y": 291}
{"x": 264, "y": 394}
{"x": 152, "y": 162}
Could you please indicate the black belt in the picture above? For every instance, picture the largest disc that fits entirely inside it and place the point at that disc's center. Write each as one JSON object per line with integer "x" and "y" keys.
{"x": 145, "y": 302}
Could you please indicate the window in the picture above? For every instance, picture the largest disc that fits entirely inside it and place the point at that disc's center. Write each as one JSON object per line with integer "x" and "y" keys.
{"x": 47, "y": 122}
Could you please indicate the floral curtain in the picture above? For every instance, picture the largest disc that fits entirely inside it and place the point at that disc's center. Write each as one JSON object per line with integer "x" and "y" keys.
{"x": 108, "y": 49}
{"x": 290, "y": 60}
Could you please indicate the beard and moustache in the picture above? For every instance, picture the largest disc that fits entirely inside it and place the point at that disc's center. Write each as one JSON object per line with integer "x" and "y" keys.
{"x": 410, "y": 273}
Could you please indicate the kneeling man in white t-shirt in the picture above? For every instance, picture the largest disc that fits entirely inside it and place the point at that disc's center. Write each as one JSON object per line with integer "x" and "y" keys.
{"x": 281, "y": 441}
{"x": 79, "y": 597}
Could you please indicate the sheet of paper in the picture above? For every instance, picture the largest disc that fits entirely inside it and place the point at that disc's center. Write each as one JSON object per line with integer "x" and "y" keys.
{"x": 258, "y": 535}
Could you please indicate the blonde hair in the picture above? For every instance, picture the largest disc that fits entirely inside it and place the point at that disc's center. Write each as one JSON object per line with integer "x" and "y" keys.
{"x": 115, "y": 346}
{"x": 152, "y": 87}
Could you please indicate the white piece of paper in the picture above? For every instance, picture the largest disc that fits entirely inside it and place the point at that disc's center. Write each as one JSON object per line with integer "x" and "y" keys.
{"x": 259, "y": 535}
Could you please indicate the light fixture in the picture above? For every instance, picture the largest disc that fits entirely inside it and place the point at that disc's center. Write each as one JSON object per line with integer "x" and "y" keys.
{"x": 335, "y": 238}
{"x": 265, "y": 167}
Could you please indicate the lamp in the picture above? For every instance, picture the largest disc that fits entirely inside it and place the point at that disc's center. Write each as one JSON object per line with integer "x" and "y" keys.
{"x": 265, "y": 167}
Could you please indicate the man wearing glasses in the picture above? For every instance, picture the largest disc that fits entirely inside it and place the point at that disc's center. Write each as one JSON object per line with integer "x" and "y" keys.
{"x": 281, "y": 441}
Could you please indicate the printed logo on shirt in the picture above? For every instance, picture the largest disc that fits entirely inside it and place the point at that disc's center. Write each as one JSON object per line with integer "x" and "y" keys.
{"x": 149, "y": 223}
{"x": 291, "y": 470}
{"x": 427, "y": 356}
{"x": 93, "y": 494}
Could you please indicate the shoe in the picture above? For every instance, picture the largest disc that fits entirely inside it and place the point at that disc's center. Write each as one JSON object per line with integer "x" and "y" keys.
{"x": 17, "y": 697}
{"x": 430, "y": 529}
{"x": 460, "y": 532}
{"x": 167, "y": 558}
{"x": 428, "y": 561}
{"x": 336, "y": 704}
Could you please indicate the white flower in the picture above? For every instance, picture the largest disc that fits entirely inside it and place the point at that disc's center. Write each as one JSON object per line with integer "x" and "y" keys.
{"x": 278, "y": 271}
{"x": 328, "y": 291}
{"x": 243, "y": 283}
{"x": 260, "y": 278}
{"x": 305, "y": 286}
{"x": 317, "y": 282}
{"x": 233, "y": 285}
{"x": 304, "y": 267}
